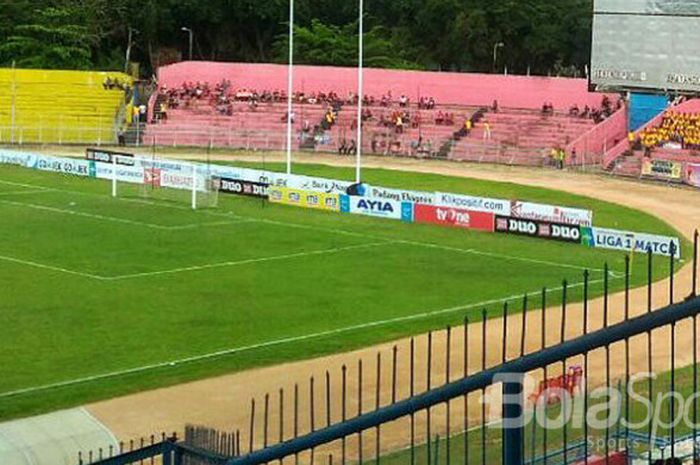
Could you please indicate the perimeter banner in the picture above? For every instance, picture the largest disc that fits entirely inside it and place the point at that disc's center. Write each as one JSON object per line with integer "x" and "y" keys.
{"x": 536, "y": 228}
{"x": 11, "y": 157}
{"x": 630, "y": 241}
{"x": 239, "y": 187}
{"x": 454, "y": 217}
{"x": 692, "y": 175}
{"x": 472, "y": 203}
{"x": 665, "y": 170}
{"x": 382, "y": 208}
{"x": 551, "y": 213}
{"x": 301, "y": 198}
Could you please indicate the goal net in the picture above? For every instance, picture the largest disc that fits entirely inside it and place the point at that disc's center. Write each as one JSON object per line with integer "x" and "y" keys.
{"x": 164, "y": 180}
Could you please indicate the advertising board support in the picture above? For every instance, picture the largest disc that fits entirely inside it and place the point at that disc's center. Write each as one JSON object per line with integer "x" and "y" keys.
{"x": 114, "y": 176}
{"x": 194, "y": 186}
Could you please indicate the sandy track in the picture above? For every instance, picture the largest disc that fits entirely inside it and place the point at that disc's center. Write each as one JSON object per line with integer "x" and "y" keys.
{"x": 224, "y": 402}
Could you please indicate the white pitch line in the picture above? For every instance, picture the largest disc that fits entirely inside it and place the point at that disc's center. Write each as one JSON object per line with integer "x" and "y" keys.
{"x": 50, "y": 267}
{"x": 276, "y": 342}
{"x": 33, "y": 186}
{"x": 83, "y": 214}
{"x": 249, "y": 261}
{"x": 213, "y": 223}
{"x": 115, "y": 219}
{"x": 504, "y": 256}
{"x": 24, "y": 192}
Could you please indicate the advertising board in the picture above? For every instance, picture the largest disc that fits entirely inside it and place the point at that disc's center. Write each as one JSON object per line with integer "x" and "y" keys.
{"x": 132, "y": 174}
{"x": 666, "y": 170}
{"x": 382, "y": 208}
{"x": 239, "y": 187}
{"x": 692, "y": 175}
{"x": 73, "y": 166}
{"x": 468, "y": 202}
{"x": 536, "y": 228}
{"x": 551, "y": 213}
{"x": 400, "y": 195}
{"x": 107, "y": 156}
{"x": 11, "y": 157}
{"x": 630, "y": 241}
{"x": 453, "y": 217}
{"x": 301, "y": 198}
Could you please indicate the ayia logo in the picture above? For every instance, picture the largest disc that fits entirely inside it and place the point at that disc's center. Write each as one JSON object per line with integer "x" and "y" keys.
{"x": 375, "y": 205}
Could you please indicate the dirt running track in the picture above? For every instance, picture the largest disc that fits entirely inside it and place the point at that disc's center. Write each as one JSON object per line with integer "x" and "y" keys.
{"x": 224, "y": 402}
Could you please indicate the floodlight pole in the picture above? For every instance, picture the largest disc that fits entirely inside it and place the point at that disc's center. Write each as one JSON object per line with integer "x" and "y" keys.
{"x": 360, "y": 93}
{"x": 290, "y": 81}
{"x": 12, "y": 106}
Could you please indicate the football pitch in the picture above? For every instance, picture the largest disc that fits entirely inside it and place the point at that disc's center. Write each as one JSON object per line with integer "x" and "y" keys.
{"x": 103, "y": 296}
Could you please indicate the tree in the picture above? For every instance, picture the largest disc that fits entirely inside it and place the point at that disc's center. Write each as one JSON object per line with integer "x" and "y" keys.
{"x": 323, "y": 44}
{"x": 54, "y": 40}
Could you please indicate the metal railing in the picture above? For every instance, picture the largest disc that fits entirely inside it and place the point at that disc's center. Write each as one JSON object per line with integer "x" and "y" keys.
{"x": 426, "y": 400}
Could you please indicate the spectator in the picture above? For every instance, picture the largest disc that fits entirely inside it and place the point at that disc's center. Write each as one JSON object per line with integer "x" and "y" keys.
{"x": 494, "y": 106}
{"x": 487, "y": 131}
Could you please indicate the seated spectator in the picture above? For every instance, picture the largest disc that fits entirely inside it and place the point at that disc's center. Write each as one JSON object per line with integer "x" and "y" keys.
{"x": 440, "y": 118}
{"x": 573, "y": 110}
{"x": 403, "y": 101}
{"x": 494, "y": 106}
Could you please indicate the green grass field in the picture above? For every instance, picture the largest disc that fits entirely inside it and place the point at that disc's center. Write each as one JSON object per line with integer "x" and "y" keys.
{"x": 99, "y": 295}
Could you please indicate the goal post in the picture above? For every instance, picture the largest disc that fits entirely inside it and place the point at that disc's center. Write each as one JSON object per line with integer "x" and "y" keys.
{"x": 164, "y": 180}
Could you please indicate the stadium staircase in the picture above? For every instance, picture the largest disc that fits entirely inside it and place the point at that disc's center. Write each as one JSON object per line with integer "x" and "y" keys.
{"x": 519, "y": 136}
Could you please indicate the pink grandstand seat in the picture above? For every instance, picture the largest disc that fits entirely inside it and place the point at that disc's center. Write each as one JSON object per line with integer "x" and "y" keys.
{"x": 458, "y": 88}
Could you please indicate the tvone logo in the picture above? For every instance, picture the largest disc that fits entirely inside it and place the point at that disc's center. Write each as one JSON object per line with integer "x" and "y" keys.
{"x": 524, "y": 227}
{"x": 565, "y": 232}
{"x": 375, "y": 205}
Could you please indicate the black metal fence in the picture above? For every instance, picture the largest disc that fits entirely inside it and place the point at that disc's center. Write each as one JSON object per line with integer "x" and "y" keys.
{"x": 609, "y": 380}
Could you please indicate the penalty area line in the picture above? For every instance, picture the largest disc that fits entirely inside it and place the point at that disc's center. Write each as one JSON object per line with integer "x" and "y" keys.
{"x": 276, "y": 342}
{"x": 250, "y": 261}
{"x": 50, "y": 267}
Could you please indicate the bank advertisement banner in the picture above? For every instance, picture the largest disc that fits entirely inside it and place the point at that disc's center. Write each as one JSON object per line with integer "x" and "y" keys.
{"x": 692, "y": 175}
{"x": 382, "y": 208}
{"x": 74, "y": 166}
{"x": 132, "y": 174}
{"x": 239, "y": 187}
{"x": 11, "y": 157}
{"x": 469, "y": 202}
{"x": 293, "y": 181}
{"x": 536, "y": 228}
{"x": 307, "y": 199}
{"x": 551, "y": 213}
{"x": 662, "y": 169}
{"x": 453, "y": 217}
{"x": 630, "y": 241}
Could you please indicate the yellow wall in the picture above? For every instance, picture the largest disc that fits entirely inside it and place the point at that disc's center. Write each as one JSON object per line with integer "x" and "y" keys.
{"x": 59, "y": 106}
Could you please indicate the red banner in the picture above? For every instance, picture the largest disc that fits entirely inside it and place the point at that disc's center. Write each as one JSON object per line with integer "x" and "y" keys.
{"x": 447, "y": 216}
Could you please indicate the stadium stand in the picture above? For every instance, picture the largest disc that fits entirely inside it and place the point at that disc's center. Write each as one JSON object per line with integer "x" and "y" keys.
{"x": 672, "y": 136}
{"x": 38, "y": 106}
{"x": 512, "y": 119}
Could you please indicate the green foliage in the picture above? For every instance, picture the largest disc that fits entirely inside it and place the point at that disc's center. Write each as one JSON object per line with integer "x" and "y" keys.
{"x": 323, "y": 44}
{"x": 54, "y": 40}
{"x": 430, "y": 34}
